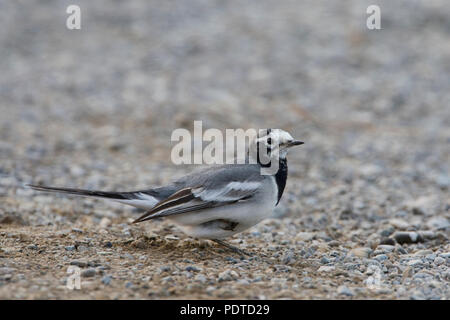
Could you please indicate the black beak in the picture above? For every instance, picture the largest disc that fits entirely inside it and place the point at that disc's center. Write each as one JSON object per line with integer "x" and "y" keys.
{"x": 295, "y": 143}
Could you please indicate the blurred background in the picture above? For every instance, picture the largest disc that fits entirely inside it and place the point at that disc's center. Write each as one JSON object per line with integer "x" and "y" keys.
{"x": 95, "y": 108}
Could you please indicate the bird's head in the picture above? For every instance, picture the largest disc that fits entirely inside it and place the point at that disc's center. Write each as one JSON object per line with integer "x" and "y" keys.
{"x": 274, "y": 143}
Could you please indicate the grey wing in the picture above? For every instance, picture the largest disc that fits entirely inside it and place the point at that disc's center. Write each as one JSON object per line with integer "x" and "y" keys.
{"x": 209, "y": 189}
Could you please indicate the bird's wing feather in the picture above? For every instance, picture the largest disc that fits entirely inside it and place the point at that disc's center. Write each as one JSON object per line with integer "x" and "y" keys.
{"x": 202, "y": 197}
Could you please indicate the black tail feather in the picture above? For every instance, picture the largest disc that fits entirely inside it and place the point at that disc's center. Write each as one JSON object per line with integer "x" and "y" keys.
{"x": 89, "y": 193}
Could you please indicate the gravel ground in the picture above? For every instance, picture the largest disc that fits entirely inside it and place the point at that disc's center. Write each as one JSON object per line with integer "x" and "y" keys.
{"x": 366, "y": 208}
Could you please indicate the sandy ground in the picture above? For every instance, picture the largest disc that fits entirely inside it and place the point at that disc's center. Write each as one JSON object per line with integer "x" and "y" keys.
{"x": 365, "y": 213}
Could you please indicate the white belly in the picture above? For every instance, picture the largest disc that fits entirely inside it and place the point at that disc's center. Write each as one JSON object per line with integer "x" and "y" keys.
{"x": 245, "y": 214}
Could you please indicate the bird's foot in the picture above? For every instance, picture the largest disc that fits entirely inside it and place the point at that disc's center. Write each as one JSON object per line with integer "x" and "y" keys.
{"x": 232, "y": 248}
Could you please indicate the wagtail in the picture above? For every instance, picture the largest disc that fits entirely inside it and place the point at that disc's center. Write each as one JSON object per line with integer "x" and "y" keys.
{"x": 216, "y": 202}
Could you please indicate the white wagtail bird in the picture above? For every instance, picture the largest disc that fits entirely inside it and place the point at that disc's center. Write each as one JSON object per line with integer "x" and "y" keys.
{"x": 216, "y": 202}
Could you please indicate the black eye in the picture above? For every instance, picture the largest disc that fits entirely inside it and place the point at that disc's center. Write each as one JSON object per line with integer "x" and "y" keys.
{"x": 269, "y": 141}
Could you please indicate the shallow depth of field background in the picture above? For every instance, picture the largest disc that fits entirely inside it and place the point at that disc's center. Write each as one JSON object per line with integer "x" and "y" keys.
{"x": 95, "y": 108}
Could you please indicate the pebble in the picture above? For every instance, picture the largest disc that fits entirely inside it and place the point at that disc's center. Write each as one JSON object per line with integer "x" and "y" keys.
{"x": 105, "y": 222}
{"x": 423, "y": 252}
{"x": 423, "y": 205}
{"x": 106, "y": 280}
{"x": 388, "y": 241}
{"x": 439, "y": 260}
{"x": 344, "y": 290}
{"x": 167, "y": 279}
{"x": 415, "y": 262}
{"x": 200, "y": 278}
{"x": 326, "y": 269}
{"x": 381, "y": 257}
{"x": 193, "y": 268}
{"x": 304, "y": 236}
{"x": 70, "y": 248}
{"x": 88, "y": 273}
{"x": 407, "y": 237}
{"x": 399, "y": 224}
{"x": 80, "y": 264}
{"x": 431, "y": 257}
{"x": 228, "y": 275}
{"x": 438, "y": 223}
{"x": 288, "y": 257}
{"x": 387, "y": 232}
{"x": 362, "y": 252}
{"x": 6, "y": 270}
{"x": 401, "y": 250}
{"x": 386, "y": 248}
{"x": 163, "y": 269}
{"x": 324, "y": 260}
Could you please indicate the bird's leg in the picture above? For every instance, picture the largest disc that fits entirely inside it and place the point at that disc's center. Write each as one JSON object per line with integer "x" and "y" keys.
{"x": 232, "y": 248}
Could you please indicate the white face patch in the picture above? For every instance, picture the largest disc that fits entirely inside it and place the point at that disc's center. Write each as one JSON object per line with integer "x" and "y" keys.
{"x": 277, "y": 137}
{"x": 274, "y": 139}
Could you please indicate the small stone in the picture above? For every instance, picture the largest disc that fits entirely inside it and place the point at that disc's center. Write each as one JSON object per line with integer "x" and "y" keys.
{"x": 80, "y": 264}
{"x": 334, "y": 243}
{"x": 6, "y": 270}
{"x": 163, "y": 269}
{"x": 431, "y": 257}
{"x": 425, "y": 205}
{"x": 88, "y": 273}
{"x": 32, "y": 247}
{"x": 423, "y": 252}
{"x": 77, "y": 230}
{"x": 443, "y": 181}
{"x": 370, "y": 171}
{"x": 326, "y": 269}
{"x": 210, "y": 289}
{"x": 345, "y": 291}
{"x": 399, "y": 224}
{"x": 287, "y": 258}
{"x": 193, "y": 268}
{"x": 200, "y": 278}
{"x": 387, "y": 232}
{"x": 228, "y": 275}
{"x": 362, "y": 252}
{"x": 386, "y": 248}
{"x": 82, "y": 248}
{"x": 167, "y": 279}
{"x": 415, "y": 262}
{"x": 108, "y": 244}
{"x": 304, "y": 236}
{"x": 324, "y": 260}
{"x": 104, "y": 223}
{"x": 439, "y": 260}
{"x": 408, "y": 237}
{"x": 381, "y": 257}
{"x": 140, "y": 243}
{"x": 243, "y": 281}
{"x": 70, "y": 248}
{"x": 438, "y": 223}
{"x": 428, "y": 234}
{"x": 106, "y": 280}
{"x": 388, "y": 241}
{"x": 401, "y": 250}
